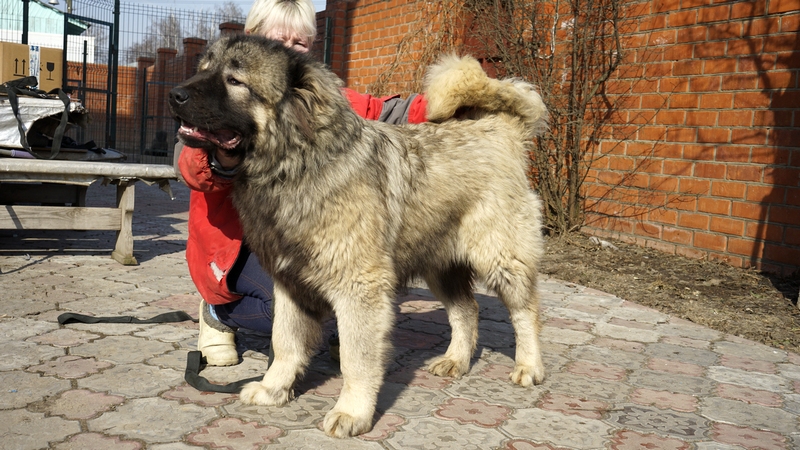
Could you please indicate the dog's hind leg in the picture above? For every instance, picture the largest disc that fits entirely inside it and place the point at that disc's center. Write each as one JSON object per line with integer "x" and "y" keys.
{"x": 515, "y": 284}
{"x": 454, "y": 289}
{"x": 365, "y": 322}
{"x": 295, "y": 335}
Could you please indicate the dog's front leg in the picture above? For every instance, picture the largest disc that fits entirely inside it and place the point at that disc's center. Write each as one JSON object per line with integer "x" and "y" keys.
{"x": 364, "y": 327}
{"x": 294, "y": 337}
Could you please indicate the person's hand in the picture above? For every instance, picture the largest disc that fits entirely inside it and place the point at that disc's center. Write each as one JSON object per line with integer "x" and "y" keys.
{"x": 227, "y": 161}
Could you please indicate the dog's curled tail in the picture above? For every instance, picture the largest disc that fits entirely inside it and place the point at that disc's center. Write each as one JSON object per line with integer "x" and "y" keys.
{"x": 458, "y": 87}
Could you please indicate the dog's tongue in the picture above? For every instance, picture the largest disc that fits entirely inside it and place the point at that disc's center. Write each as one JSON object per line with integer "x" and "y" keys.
{"x": 226, "y": 139}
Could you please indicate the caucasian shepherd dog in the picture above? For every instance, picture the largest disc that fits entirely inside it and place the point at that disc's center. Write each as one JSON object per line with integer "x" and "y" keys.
{"x": 341, "y": 211}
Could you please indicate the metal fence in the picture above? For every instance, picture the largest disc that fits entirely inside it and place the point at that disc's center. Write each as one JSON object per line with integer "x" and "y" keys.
{"x": 121, "y": 61}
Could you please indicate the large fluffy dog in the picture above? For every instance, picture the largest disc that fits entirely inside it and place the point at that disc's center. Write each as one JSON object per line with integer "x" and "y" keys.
{"x": 340, "y": 210}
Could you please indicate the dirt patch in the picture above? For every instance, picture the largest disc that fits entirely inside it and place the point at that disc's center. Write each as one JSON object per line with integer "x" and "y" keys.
{"x": 741, "y": 302}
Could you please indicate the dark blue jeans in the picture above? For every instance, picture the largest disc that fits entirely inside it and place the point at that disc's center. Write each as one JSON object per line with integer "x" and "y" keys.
{"x": 254, "y": 310}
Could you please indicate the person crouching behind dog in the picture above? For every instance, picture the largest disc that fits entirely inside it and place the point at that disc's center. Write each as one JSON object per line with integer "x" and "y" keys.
{"x": 236, "y": 291}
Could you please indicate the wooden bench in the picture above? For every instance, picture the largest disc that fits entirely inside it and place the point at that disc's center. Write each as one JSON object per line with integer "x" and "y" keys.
{"x": 59, "y": 182}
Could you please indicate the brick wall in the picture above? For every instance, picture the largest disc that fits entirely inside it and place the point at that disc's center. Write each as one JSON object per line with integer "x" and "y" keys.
{"x": 711, "y": 166}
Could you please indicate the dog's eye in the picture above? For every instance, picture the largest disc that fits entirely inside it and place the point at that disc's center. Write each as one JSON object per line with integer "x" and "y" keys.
{"x": 233, "y": 81}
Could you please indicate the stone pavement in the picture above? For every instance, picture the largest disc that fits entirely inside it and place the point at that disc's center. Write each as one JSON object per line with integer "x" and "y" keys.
{"x": 620, "y": 376}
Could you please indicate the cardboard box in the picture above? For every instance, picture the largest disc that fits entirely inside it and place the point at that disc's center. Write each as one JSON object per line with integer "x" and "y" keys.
{"x": 16, "y": 59}
{"x": 51, "y": 68}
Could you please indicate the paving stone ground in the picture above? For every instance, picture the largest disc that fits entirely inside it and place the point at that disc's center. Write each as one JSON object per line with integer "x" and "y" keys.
{"x": 620, "y": 376}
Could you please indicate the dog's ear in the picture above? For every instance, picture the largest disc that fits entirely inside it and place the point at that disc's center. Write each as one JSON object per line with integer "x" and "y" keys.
{"x": 313, "y": 90}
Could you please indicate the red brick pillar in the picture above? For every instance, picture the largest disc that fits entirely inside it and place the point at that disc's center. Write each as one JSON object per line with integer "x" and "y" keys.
{"x": 164, "y": 59}
{"x": 142, "y": 64}
{"x": 192, "y": 49}
{"x": 230, "y": 28}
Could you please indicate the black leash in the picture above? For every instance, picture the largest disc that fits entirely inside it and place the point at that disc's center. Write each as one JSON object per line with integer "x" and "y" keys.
{"x": 194, "y": 360}
{"x": 26, "y": 86}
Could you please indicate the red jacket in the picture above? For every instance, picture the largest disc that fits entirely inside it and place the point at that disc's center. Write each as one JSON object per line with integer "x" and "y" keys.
{"x": 215, "y": 234}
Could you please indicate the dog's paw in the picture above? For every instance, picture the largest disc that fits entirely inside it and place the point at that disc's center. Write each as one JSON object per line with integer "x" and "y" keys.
{"x": 527, "y": 375}
{"x": 446, "y": 367}
{"x": 256, "y": 394}
{"x": 341, "y": 425}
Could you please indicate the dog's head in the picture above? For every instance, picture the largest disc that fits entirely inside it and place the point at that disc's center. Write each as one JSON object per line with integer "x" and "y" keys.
{"x": 244, "y": 86}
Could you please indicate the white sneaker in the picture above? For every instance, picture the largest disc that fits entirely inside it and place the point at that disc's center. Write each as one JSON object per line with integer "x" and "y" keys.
{"x": 216, "y": 341}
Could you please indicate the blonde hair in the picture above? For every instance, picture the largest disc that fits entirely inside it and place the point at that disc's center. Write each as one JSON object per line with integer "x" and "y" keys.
{"x": 297, "y": 16}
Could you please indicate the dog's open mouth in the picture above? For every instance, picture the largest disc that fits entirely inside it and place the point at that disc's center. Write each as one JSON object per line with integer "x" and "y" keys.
{"x": 225, "y": 139}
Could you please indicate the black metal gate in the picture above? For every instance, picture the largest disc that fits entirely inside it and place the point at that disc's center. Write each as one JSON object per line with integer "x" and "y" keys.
{"x": 93, "y": 86}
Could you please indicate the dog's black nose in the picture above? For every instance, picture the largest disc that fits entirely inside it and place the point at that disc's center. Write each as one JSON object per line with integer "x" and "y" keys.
{"x": 178, "y": 95}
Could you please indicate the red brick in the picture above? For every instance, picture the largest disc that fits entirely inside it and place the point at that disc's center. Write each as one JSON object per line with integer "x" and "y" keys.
{"x": 671, "y": 167}
{"x": 750, "y": 136}
{"x": 790, "y": 23}
{"x": 728, "y": 189}
{"x": 745, "y": 173}
{"x": 782, "y": 176}
{"x": 682, "y": 18}
{"x": 673, "y": 85}
{"x": 735, "y": 118}
{"x": 690, "y": 252}
{"x": 740, "y": 82}
{"x": 761, "y": 26}
{"x": 726, "y": 225}
{"x": 724, "y": 31}
{"x": 786, "y": 99}
{"x": 780, "y": 43}
{"x": 743, "y": 10}
{"x": 778, "y": 81}
{"x": 715, "y": 49}
{"x": 694, "y": 186}
{"x": 759, "y": 63}
{"x": 699, "y": 152}
{"x": 771, "y": 118}
{"x": 663, "y": 215}
{"x": 684, "y": 100}
{"x": 638, "y": 148}
{"x": 648, "y": 229}
{"x": 659, "y": 183}
{"x": 781, "y": 254}
{"x": 676, "y": 235}
{"x": 701, "y": 118}
{"x": 680, "y": 134}
{"x": 705, "y": 84}
{"x": 765, "y": 194}
{"x": 710, "y": 241}
{"x": 713, "y": 205}
{"x": 707, "y": 170}
{"x": 793, "y": 197}
{"x": 745, "y": 46}
{"x": 751, "y": 100}
{"x": 716, "y": 101}
{"x": 765, "y": 232}
{"x": 727, "y": 65}
{"x": 792, "y": 236}
{"x": 692, "y": 34}
{"x": 666, "y": 5}
{"x": 747, "y": 210}
{"x": 745, "y": 247}
{"x": 727, "y": 259}
{"x": 689, "y": 67}
{"x": 694, "y": 221}
{"x": 784, "y": 214}
{"x": 672, "y": 151}
{"x": 786, "y": 60}
{"x": 713, "y": 135}
{"x": 652, "y": 133}
{"x": 714, "y": 14}
{"x": 669, "y": 117}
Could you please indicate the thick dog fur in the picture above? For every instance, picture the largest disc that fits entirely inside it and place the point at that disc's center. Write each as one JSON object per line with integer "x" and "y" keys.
{"x": 341, "y": 211}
